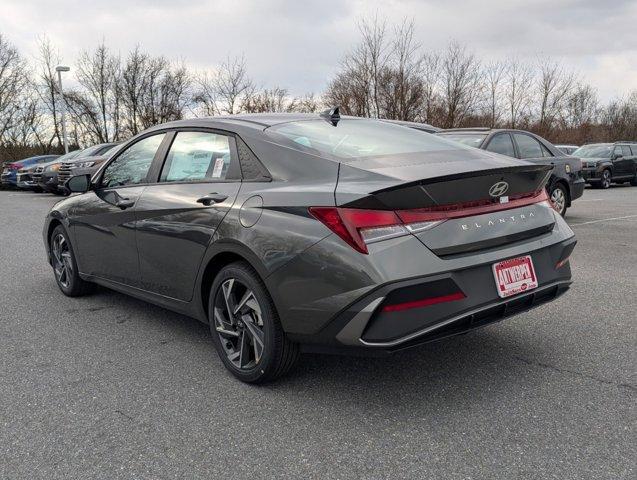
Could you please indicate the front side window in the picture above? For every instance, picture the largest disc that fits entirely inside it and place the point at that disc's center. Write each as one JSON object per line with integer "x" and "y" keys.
{"x": 528, "y": 146}
{"x": 502, "y": 144}
{"x": 132, "y": 165}
{"x": 197, "y": 156}
{"x": 625, "y": 151}
{"x": 594, "y": 151}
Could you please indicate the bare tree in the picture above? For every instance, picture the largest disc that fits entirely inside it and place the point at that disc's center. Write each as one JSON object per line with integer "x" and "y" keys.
{"x": 269, "y": 100}
{"x": 13, "y": 81}
{"x": 307, "y": 103}
{"x": 133, "y": 88}
{"x": 554, "y": 86}
{"x": 98, "y": 73}
{"x": 47, "y": 88}
{"x": 518, "y": 91}
{"x": 430, "y": 68}
{"x": 230, "y": 84}
{"x": 462, "y": 86}
{"x": 400, "y": 83}
{"x": 494, "y": 74}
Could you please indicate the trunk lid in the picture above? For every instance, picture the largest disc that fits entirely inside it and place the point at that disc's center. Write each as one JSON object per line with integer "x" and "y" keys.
{"x": 486, "y": 199}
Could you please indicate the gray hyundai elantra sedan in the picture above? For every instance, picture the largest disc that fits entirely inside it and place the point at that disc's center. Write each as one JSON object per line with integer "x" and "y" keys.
{"x": 301, "y": 232}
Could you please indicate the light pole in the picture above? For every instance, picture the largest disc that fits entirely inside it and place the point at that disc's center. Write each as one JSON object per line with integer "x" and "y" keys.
{"x": 60, "y": 69}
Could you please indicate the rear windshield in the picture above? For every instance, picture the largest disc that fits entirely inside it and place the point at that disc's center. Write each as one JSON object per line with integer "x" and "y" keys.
{"x": 356, "y": 138}
{"x": 470, "y": 139}
{"x": 594, "y": 151}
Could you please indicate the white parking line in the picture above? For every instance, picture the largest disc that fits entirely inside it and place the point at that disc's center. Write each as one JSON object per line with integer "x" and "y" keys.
{"x": 603, "y": 220}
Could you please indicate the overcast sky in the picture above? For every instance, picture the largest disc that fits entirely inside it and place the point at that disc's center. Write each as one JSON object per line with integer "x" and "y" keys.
{"x": 297, "y": 44}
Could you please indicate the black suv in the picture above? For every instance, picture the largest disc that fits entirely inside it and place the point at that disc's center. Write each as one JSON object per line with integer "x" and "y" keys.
{"x": 566, "y": 182}
{"x": 603, "y": 163}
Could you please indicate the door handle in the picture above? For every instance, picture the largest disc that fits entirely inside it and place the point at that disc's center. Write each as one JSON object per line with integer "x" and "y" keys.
{"x": 211, "y": 198}
{"x": 125, "y": 203}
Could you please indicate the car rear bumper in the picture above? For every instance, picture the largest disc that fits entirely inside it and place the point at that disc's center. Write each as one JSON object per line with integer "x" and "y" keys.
{"x": 327, "y": 308}
{"x": 577, "y": 188}
{"x": 365, "y": 324}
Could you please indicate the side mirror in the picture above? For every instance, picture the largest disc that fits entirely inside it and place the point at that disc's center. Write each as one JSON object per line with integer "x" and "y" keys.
{"x": 79, "y": 183}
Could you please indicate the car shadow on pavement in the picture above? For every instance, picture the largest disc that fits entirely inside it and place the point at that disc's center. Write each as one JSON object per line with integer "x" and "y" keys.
{"x": 479, "y": 365}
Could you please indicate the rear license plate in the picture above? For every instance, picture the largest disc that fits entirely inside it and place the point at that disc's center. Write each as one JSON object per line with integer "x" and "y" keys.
{"x": 514, "y": 276}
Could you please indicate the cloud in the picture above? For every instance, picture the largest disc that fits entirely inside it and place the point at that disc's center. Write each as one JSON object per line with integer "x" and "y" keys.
{"x": 298, "y": 44}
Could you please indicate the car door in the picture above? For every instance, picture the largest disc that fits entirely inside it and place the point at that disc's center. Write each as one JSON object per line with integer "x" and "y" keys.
{"x": 104, "y": 218}
{"x": 178, "y": 214}
{"x": 622, "y": 161}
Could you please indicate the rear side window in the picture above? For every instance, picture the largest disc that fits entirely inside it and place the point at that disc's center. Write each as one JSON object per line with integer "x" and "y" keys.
{"x": 501, "y": 144}
{"x": 197, "y": 156}
{"x": 132, "y": 165}
{"x": 528, "y": 146}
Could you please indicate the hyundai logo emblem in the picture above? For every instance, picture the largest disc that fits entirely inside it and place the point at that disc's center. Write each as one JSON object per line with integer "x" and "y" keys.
{"x": 498, "y": 189}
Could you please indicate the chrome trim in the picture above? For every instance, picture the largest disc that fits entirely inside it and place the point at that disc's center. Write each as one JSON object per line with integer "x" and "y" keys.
{"x": 357, "y": 327}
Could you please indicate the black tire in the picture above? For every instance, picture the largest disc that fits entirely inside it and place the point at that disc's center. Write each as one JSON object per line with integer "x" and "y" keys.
{"x": 633, "y": 182}
{"x": 232, "y": 334}
{"x": 559, "y": 198}
{"x": 65, "y": 266}
{"x": 605, "y": 179}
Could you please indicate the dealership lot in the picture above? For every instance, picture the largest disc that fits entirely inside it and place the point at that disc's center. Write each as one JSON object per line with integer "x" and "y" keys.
{"x": 110, "y": 387}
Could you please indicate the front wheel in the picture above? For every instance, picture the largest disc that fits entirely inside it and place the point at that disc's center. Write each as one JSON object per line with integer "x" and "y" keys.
{"x": 65, "y": 266}
{"x": 559, "y": 198}
{"x": 245, "y": 326}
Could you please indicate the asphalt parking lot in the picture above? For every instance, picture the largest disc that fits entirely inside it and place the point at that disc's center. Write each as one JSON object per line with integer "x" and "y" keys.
{"x": 110, "y": 387}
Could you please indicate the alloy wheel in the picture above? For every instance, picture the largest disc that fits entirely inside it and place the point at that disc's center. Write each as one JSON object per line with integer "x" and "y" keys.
{"x": 558, "y": 199}
{"x": 62, "y": 263}
{"x": 606, "y": 179}
{"x": 239, "y": 323}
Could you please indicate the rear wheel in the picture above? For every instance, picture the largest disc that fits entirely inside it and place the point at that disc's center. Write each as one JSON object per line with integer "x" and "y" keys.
{"x": 245, "y": 326}
{"x": 559, "y": 198}
{"x": 65, "y": 266}
{"x": 606, "y": 179}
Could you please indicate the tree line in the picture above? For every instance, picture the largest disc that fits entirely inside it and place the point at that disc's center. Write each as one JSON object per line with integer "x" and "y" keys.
{"x": 387, "y": 74}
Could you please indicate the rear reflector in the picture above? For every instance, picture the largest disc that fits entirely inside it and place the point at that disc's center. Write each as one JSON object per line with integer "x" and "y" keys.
{"x": 361, "y": 227}
{"x": 425, "y": 302}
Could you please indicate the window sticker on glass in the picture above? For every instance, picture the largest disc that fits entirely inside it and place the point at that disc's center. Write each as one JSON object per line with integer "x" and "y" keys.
{"x": 216, "y": 172}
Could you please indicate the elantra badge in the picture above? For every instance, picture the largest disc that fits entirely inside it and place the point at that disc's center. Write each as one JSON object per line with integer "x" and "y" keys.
{"x": 498, "y": 189}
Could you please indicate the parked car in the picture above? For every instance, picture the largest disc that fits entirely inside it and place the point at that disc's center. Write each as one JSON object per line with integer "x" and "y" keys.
{"x": 45, "y": 175}
{"x": 425, "y": 127}
{"x": 9, "y": 177}
{"x": 604, "y": 163}
{"x": 53, "y": 178}
{"x": 340, "y": 234}
{"x": 567, "y": 149}
{"x": 24, "y": 178}
{"x": 84, "y": 164}
{"x": 565, "y": 184}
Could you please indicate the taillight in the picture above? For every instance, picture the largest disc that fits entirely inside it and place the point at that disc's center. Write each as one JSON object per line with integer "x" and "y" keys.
{"x": 14, "y": 166}
{"x": 361, "y": 227}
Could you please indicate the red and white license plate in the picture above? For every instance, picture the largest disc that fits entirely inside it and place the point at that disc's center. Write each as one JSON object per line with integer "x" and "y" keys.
{"x": 514, "y": 276}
